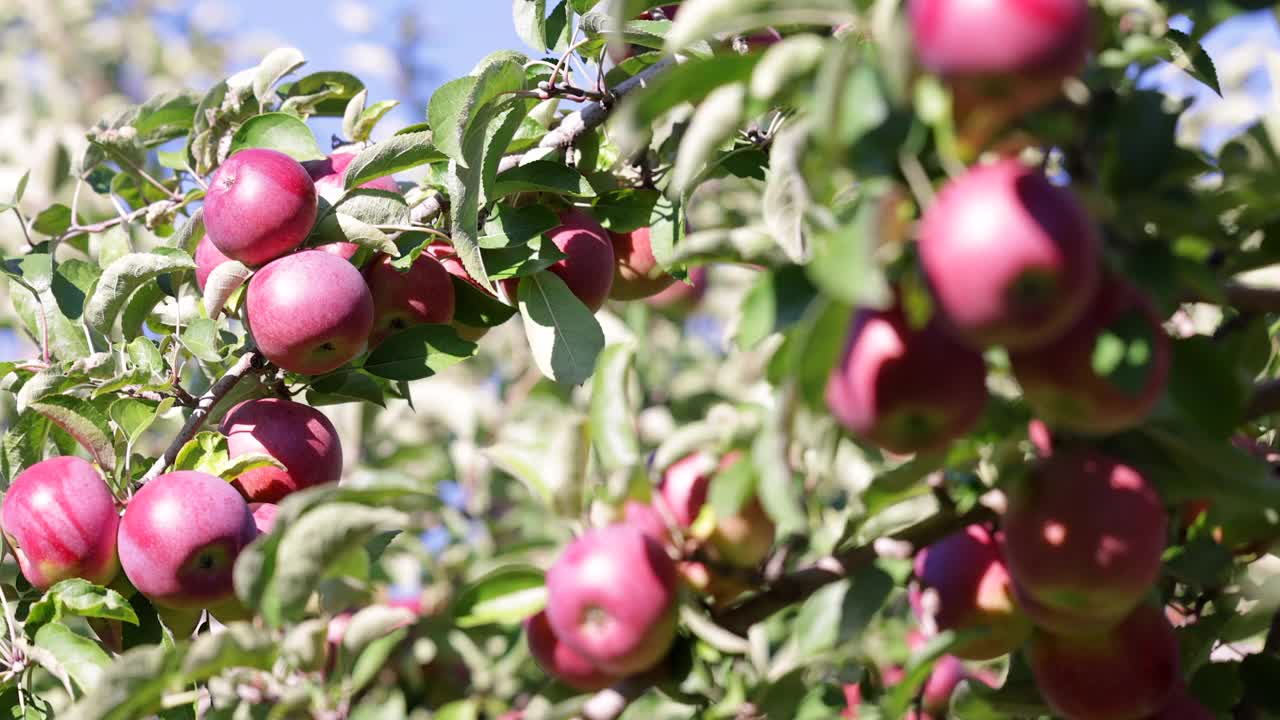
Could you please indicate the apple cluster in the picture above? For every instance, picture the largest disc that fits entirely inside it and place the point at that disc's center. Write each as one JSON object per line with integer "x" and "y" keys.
{"x": 612, "y": 594}
{"x": 1012, "y": 260}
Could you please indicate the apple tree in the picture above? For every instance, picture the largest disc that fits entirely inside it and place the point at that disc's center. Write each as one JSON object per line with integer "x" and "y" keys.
{"x": 720, "y": 359}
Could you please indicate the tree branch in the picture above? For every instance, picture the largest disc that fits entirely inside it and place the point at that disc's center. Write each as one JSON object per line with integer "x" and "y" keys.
{"x": 1251, "y": 299}
{"x": 247, "y": 363}
{"x": 571, "y": 127}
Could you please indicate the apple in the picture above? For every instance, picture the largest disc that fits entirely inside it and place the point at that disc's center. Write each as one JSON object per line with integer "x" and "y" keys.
{"x": 588, "y": 266}
{"x": 260, "y": 205}
{"x": 180, "y": 537}
{"x": 1107, "y": 372}
{"x": 345, "y": 250}
{"x": 906, "y": 389}
{"x": 452, "y": 264}
{"x": 743, "y": 539}
{"x": 852, "y": 700}
{"x": 647, "y": 519}
{"x": 421, "y": 295}
{"x": 60, "y": 519}
{"x": 329, "y": 177}
{"x": 1125, "y": 673}
{"x": 637, "y": 274}
{"x": 1083, "y": 538}
{"x": 1182, "y": 706}
{"x": 1011, "y": 258}
{"x": 966, "y": 576}
{"x": 684, "y": 487}
{"x": 682, "y": 295}
{"x": 309, "y": 312}
{"x": 1041, "y": 42}
{"x": 264, "y": 516}
{"x": 559, "y": 661}
{"x": 208, "y": 257}
{"x": 300, "y": 437}
{"x": 947, "y": 673}
{"x": 612, "y": 598}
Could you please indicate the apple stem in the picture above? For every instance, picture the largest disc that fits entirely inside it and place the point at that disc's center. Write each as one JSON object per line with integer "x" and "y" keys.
{"x": 248, "y": 363}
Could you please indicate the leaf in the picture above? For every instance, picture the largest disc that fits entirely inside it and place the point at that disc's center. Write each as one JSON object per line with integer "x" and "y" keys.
{"x": 80, "y": 657}
{"x": 323, "y": 93}
{"x": 201, "y": 338}
{"x": 206, "y": 452}
{"x": 1190, "y": 57}
{"x": 277, "y": 64}
{"x": 241, "y": 464}
{"x": 134, "y": 417}
{"x": 365, "y": 235}
{"x": 776, "y": 301}
{"x": 563, "y": 334}
{"x": 131, "y": 687}
{"x": 784, "y": 66}
{"x": 190, "y": 233}
{"x": 716, "y": 120}
{"x": 779, "y": 493}
{"x": 838, "y": 613}
{"x": 373, "y": 622}
{"x": 731, "y": 488}
{"x": 1205, "y": 386}
{"x": 395, "y": 154}
{"x": 84, "y": 422}
{"x": 786, "y": 193}
{"x": 345, "y": 386}
{"x": 126, "y": 275}
{"x": 370, "y": 206}
{"x": 35, "y": 287}
{"x": 613, "y": 429}
{"x": 505, "y": 596}
{"x": 355, "y": 106}
{"x": 418, "y": 352}
{"x": 456, "y": 105}
{"x": 369, "y": 119}
{"x": 53, "y": 220}
{"x": 165, "y": 116}
{"x": 240, "y": 646}
{"x": 687, "y": 82}
{"x": 81, "y": 598}
{"x": 542, "y": 176}
{"x": 278, "y": 131}
{"x": 844, "y": 265}
{"x": 222, "y": 283}
{"x": 625, "y": 210}
{"x": 530, "y": 19}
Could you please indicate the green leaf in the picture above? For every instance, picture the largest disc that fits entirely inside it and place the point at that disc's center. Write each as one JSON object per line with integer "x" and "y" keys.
{"x": 53, "y": 220}
{"x": 716, "y": 120}
{"x": 369, "y": 119}
{"x": 24, "y": 442}
{"x": 840, "y": 612}
{"x": 221, "y": 284}
{"x": 131, "y": 687}
{"x": 613, "y": 430}
{"x": 206, "y": 452}
{"x": 786, "y": 193}
{"x": 35, "y": 288}
{"x": 345, "y": 386}
{"x": 241, "y": 464}
{"x": 165, "y": 116}
{"x": 323, "y": 93}
{"x": 240, "y": 646}
{"x": 784, "y": 66}
{"x": 505, "y": 596}
{"x": 530, "y": 19}
{"x": 731, "y": 488}
{"x": 844, "y": 265}
{"x": 517, "y": 226}
{"x": 82, "y": 421}
{"x": 80, "y": 598}
{"x": 418, "y": 352}
{"x": 1187, "y": 54}
{"x": 355, "y": 106}
{"x": 625, "y": 210}
{"x": 126, "y": 275}
{"x": 456, "y": 105}
{"x": 395, "y": 154}
{"x": 190, "y": 233}
{"x": 80, "y": 657}
{"x": 474, "y": 307}
{"x": 687, "y": 82}
{"x": 369, "y": 206}
{"x": 365, "y": 235}
{"x": 278, "y": 131}
{"x": 1205, "y": 386}
{"x": 775, "y": 302}
{"x": 373, "y": 622}
{"x": 563, "y": 334}
{"x": 277, "y": 64}
{"x": 542, "y": 176}
{"x": 201, "y": 339}
{"x": 134, "y": 417}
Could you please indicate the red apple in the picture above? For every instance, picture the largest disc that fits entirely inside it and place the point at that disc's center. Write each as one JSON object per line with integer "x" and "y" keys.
{"x": 260, "y": 205}
{"x": 453, "y": 265}
{"x": 559, "y": 661}
{"x": 743, "y": 539}
{"x": 1083, "y": 537}
{"x": 1106, "y": 373}
{"x": 329, "y": 176}
{"x": 588, "y": 266}
{"x": 421, "y": 295}
{"x": 345, "y": 250}
{"x": 647, "y": 519}
{"x": 1125, "y": 673}
{"x": 208, "y": 257}
{"x": 906, "y": 389}
{"x": 612, "y": 598}
{"x": 947, "y": 673}
{"x": 637, "y": 274}
{"x": 684, "y": 487}
{"x": 298, "y": 436}
{"x": 1011, "y": 258}
{"x": 264, "y": 516}
{"x": 682, "y": 295}
{"x": 60, "y": 520}
{"x": 180, "y": 537}
{"x": 852, "y": 701}
{"x": 310, "y": 312}
{"x": 966, "y": 576}
{"x": 1182, "y": 706}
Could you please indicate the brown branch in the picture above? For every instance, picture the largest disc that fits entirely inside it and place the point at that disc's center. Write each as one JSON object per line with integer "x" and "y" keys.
{"x": 1251, "y": 299}
{"x": 798, "y": 585}
{"x": 247, "y": 363}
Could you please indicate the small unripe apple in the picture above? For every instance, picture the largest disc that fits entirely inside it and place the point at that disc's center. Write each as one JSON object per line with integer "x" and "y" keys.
{"x": 1106, "y": 372}
{"x": 588, "y": 266}
{"x": 1011, "y": 258}
{"x": 561, "y": 662}
{"x": 905, "y": 389}
{"x": 682, "y": 295}
{"x": 612, "y": 598}
{"x": 421, "y": 295}
{"x": 264, "y": 516}
{"x": 967, "y": 584}
{"x": 637, "y": 274}
{"x": 309, "y": 312}
{"x": 260, "y": 205}
{"x": 329, "y": 176}
{"x": 60, "y": 520}
{"x": 1125, "y": 673}
{"x": 297, "y": 435}
{"x": 208, "y": 257}
{"x": 1083, "y": 537}
{"x": 180, "y": 537}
